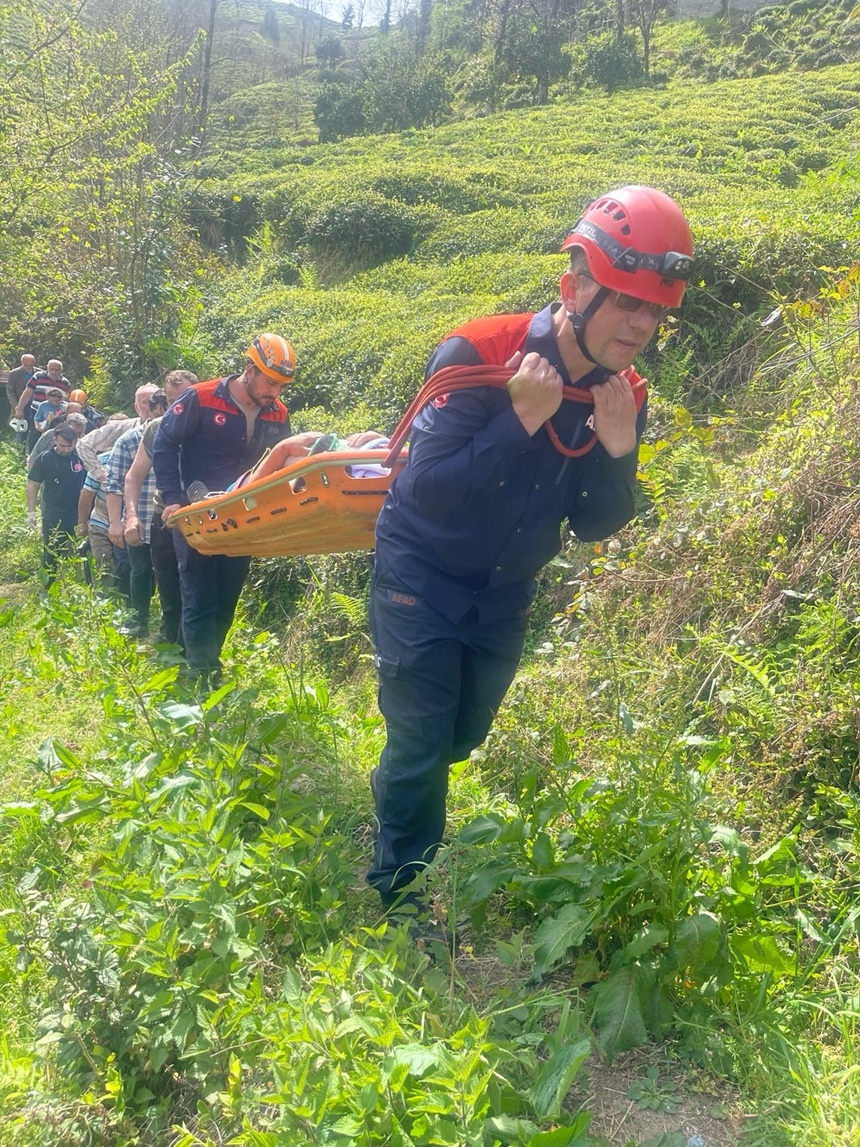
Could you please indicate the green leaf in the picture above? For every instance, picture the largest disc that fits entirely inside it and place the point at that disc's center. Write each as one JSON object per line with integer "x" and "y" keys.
{"x": 415, "y": 1057}
{"x": 87, "y": 812}
{"x": 481, "y": 885}
{"x": 347, "y": 1126}
{"x": 52, "y": 754}
{"x": 618, "y": 1011}
{"x": 561, "y": 751}
{"x": 810, "y": 928}
{"x": 219, "y": 695}
{"x": 508, "y": 1129}
{"x": 559, "y": 933}
{"x": 160, "y": 680}
{"x": 482, "y": 830}
{"x": 553, "y": 1083}
{"x": 697, "y": 940}
{"x": 543, "y": 853}
{"x": 586, "y": 970}
{"x": 572, "y": 1136}
{"x": 259, "y": 809}
{"x": 764, "y": 954}
{"x": 184, "y": 716}
{"x": 648, "y": 938}
{"x": 19, "y": 808}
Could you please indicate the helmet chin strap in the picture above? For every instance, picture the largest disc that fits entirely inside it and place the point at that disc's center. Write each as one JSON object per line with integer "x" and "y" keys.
{"x": 579, "y": 319}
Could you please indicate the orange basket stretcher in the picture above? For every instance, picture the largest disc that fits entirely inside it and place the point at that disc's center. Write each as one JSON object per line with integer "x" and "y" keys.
{"x": 313, "y": 506}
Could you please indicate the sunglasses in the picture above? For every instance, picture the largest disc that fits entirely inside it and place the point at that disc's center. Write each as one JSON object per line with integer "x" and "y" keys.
{"x": 630, "y": 303}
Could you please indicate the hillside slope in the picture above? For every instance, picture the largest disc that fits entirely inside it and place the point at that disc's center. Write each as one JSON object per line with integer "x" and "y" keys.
{"x": 367, "y": 251}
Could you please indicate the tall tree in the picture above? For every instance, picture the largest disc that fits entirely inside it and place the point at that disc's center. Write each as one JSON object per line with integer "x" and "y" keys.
{"x": 645, "y": 14}
{"x": 207, "y": 66}
{"x": 89, "y": 217}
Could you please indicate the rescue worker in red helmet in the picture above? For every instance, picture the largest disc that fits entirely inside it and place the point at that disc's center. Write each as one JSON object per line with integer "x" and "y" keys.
{"x": 477, "y": 510}
{"x": 211, "y": 434}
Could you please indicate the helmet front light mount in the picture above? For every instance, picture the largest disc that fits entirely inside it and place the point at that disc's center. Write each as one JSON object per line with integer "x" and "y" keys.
{"x": 637, "y": 241}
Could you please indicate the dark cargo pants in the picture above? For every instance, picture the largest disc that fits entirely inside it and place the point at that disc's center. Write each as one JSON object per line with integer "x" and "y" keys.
{"x": 440, "y": 684}
{"x": 166, "y": 572}
{"x": 210, "y": 588}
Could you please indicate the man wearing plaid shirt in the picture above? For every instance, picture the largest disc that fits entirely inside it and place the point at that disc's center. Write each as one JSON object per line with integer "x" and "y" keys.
{"x": 121, "y": 458}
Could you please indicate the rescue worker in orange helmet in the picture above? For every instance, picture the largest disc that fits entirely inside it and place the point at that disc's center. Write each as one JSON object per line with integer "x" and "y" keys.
{"x": 477, "y": 510}
{"x": 212, "y": 434}
{"x": 94, "y": 417}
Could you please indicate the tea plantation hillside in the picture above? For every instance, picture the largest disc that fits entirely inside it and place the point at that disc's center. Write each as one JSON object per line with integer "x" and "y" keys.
{"x": 652, "y": 864}
{"x": 368, "y": 251}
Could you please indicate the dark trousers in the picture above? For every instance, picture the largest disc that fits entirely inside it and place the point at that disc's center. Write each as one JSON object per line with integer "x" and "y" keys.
{"x": 210, "y": 588}
{"x": 140, "y": 582}
{"x": 123, "y": 570}
{"x": 440, "y": 684}
{"x": 58, "y": 534}
{"x": 166, "y": 571}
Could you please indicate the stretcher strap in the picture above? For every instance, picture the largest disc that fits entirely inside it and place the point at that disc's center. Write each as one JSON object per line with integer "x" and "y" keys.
{"x": 453, "y": 378}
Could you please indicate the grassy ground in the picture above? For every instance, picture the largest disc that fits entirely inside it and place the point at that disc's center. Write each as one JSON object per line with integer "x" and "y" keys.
{"x": 654, "y": 857}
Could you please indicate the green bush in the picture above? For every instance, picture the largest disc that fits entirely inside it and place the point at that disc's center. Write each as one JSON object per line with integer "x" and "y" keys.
{"x": 360, "y": 232}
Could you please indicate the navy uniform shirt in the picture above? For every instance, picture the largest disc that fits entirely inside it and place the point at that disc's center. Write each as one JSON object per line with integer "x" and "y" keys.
{"x": 203, "y": 438}
{"x": 61, "y": 476}
{"x": 477, "y": 511}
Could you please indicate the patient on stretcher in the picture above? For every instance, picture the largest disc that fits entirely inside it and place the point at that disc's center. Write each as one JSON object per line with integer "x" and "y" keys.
{"x": 300, "y": 446}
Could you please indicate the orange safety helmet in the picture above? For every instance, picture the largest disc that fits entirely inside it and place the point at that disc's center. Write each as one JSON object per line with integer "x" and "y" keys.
{"x": 274, "y": 356}
{"x": 78, "y": 396}
{"x": 636, "y": 241}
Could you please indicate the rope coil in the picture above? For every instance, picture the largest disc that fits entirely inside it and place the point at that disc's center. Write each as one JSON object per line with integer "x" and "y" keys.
{"x": 454, "y": 378}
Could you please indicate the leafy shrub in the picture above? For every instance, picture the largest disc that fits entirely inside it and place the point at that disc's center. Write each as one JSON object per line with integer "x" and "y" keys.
{"x": 203, "y": 845}
{"x": 660, "y": 911}
{"x": 360, "y": 232}
{"x": 338, "y": 112}
{"x": 611, "y": 63}
{"x": 459, "y": 195}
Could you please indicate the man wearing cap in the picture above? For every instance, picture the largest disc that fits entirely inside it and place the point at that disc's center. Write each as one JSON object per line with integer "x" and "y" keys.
{"x": 207, "y": 439}
{"x": 59, "y": 473}
{"x": 493, "y": 472}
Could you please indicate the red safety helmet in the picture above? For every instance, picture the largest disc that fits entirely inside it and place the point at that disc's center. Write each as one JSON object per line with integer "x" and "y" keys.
{"x": 274, "y": 356}
{"x": 78, "y": 396}
{"x": 637, "y": 241}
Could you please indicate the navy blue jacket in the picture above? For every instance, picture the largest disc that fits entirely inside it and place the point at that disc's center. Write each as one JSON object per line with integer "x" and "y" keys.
{"x": 477, "y": 511}
{"x": 202, "y": 438}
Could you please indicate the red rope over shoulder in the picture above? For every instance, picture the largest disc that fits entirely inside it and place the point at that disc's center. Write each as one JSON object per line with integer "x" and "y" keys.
{"x": 452, "y": 378}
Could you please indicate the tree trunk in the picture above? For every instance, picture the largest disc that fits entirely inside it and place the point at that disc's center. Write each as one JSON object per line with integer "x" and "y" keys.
{"x": 207, "y": 67}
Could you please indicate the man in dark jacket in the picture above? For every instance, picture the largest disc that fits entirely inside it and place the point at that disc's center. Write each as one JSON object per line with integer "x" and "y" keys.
{"x": 213, "y": 433}
{"x": 16, "y": 384}
{"x": 492, "y": 474}
{"x": 60, "y": 474}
